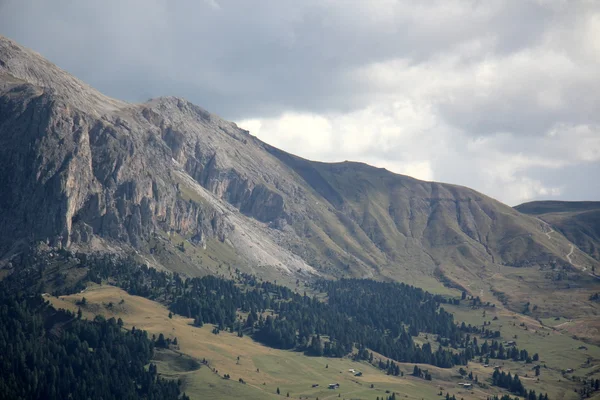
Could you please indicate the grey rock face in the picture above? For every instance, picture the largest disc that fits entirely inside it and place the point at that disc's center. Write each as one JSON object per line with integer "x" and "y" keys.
{"x": 67, "y": 174}
{"x": 75, "y": 165}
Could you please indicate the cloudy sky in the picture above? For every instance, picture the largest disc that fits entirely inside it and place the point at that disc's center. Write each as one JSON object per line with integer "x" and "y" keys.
{"x": 502, "y": 96}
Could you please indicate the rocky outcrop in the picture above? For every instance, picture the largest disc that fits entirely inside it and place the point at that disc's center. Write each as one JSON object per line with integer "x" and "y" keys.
{"x": 80, "y": 176}
{"x": 201, "y": 159}
{"x": 67, "y": 174}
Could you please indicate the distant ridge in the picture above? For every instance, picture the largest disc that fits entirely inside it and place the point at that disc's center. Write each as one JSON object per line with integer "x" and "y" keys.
{"x": 548, "y": 206}
{"x": 579, "y": 221}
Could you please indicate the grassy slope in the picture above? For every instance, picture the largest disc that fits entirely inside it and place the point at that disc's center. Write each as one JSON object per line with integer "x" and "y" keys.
{"x": 425, "y": 227}
{"x": 295, "y": 373}
{"x": 364, "y": 221}
{"x": 558, "y": 351}
{"x": 579, "y": 221}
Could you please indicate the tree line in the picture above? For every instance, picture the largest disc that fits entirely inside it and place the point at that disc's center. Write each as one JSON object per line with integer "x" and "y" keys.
{"x": 514, "y": 385}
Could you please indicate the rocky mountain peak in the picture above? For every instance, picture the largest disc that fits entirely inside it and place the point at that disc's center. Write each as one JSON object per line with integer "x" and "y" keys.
{"x": 31, "y": 67}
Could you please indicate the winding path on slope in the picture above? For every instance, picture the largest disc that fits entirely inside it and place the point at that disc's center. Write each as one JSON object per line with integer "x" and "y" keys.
{"x": 570, "y": 253}
{"x": 572, "y": 263}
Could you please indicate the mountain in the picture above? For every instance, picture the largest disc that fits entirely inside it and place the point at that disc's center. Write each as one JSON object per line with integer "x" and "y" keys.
{"x": 188, "y": 191}
{"x": 578, "y": 221}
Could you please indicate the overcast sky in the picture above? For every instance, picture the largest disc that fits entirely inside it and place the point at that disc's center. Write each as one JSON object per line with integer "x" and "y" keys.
{"x": 501, "y": 96}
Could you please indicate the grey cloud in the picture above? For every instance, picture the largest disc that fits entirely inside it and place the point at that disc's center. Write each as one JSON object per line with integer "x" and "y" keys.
{"x": 262, "y": 59}
{"x": 578, "y": 182}
{"x": 243, "y": 58}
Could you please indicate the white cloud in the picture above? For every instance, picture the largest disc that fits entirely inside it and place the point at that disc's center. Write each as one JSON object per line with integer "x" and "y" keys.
{"x": 418, "y": 169}
{"x": 311, "y": 133}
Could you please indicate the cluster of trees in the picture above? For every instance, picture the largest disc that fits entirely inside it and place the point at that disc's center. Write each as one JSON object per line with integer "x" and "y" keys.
{"x": 499, "y": 351}
{"x": 514, "y": 385}
{"x": 488, "y": 350}
{"x": 50, "y": 354}
{"x": 508, "y": 397}
{"x": 390, "y": 306}
{"x": 448, "y": 397}
{"x": 463, "y": 373}
{"x": 419, "y": 373}
{"x": 507, "y": 381}
{"x": 589, "y": 387}
{"x": 483, "y": 332}
{"x": 390, "y": 367}
{"x": 162, "y": 342}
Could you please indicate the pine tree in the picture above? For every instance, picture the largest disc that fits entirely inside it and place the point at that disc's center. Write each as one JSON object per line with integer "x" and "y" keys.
{"x": 161, "y": 342}
{"x": 416, "y": 371}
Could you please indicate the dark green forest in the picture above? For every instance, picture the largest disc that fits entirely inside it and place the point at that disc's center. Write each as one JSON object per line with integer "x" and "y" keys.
{"x": 53, "y": 355}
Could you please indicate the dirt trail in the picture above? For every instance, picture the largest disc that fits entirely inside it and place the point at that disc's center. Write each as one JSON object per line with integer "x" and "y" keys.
{"x": 572, "y": 263}
{"x": 571, "y": 250}
{"x": 570, "y": 254}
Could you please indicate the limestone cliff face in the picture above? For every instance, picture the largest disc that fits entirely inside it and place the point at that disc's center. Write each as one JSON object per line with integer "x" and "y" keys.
{"x": 67, "y": 175}
{"x": 189, "y": 131}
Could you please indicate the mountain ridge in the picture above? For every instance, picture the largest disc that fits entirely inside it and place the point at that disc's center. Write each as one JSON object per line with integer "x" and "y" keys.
{"x": 578, "y": 221}
{"x": 191, "y": 192}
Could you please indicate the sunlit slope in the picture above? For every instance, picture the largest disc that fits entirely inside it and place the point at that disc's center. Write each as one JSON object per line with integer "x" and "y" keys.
{"x": 265, "y": 369}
